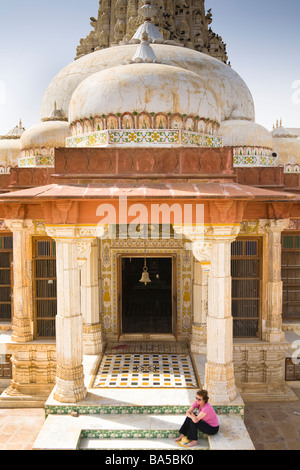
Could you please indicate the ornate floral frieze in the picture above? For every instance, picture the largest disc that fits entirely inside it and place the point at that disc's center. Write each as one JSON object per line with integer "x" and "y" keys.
{"x": 144, "y": 137}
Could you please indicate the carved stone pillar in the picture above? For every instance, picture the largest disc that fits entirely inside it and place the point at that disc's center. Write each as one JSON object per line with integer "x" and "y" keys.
{"x": 219, "y": 371}
{"x": 195, "y": 241}
{"x": 201, "y": 251}
{"x": 70, "y": 386}
{"x": 200, "y": 305}
{"x": 21, "y": 324}
{"x": 90, "y": 302}
{"x": 273, "y": 325}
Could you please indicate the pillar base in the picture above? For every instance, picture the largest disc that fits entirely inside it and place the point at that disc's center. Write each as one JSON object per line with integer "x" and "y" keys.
{"x": 274, "y": 337}
{"x": 69, "y": 392}
{"x": 21, "y": 330}
{"x": 70, "y": 386}
{"x": 220, "y": 382}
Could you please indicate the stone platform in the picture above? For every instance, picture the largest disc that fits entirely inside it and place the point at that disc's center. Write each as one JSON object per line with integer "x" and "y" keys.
{"x": 138, "y": 415}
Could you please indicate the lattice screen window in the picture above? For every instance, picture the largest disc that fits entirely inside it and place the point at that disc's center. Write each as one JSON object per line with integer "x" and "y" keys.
{"x": 45, "y": 290}
{"x": 6, "y": 278}
{"x": 246, "y": 286}
{"x": 290, "y": 275}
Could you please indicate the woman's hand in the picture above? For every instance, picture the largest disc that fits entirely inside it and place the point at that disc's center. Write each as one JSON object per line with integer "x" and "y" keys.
{"x": 191, "y": 415}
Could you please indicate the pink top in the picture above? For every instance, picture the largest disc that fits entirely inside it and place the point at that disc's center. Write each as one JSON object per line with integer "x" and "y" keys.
{"x": 211, "y": 417}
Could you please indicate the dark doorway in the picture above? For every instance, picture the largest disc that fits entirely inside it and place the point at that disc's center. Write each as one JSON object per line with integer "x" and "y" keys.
{"x": 146, "y": 308}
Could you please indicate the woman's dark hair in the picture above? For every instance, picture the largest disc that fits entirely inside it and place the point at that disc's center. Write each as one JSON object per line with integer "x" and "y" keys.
{"x": 203, "y": 394}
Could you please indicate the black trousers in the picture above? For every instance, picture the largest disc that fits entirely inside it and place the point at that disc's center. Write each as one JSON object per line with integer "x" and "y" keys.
{"x": 190, "y": 429}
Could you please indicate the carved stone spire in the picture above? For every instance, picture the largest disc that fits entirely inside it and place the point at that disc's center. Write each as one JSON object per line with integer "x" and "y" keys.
{"x": 183, "y": 21}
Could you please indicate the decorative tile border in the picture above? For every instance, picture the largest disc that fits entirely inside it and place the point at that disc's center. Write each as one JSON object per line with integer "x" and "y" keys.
{"x": 112, "y": 248}
{"x": 153, "y": 137}
{"x": 129, "y": 434}
{"x": 249, "y": 227}
{"x": 130, "y": 409}
{"x": 36, "y": 161}
{"x": 253, "y": 160}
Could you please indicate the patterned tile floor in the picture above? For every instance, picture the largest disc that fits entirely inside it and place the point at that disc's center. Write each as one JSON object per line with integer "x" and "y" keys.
{"x": 146, "y": 365}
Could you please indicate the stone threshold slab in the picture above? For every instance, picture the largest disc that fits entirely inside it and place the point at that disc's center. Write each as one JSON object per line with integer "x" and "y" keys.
{"x": 138, "y": 444}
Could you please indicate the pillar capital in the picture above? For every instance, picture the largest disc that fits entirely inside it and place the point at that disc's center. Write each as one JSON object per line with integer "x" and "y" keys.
{"x": 15, "y": 225}
{"x": 223, "y": 232}
{"x": 71, "y": 232}
{"x": 274, "y": 225}
{"x": 202, "y": 237}
{"x": 82, "y": 235}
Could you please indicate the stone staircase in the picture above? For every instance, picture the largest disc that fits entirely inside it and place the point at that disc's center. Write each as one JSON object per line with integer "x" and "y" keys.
{"x": 134, "y": 428}
{"x": 148, "y": 432}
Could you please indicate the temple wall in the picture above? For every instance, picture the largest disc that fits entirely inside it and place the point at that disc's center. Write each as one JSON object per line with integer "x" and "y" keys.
{"x": 259, "y": 363}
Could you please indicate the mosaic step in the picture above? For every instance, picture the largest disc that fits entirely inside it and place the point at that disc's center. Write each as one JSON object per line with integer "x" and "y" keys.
{"x": 134, "y": 410}
{"x": 134, "y": 433}
{"x": 135, "y": 439}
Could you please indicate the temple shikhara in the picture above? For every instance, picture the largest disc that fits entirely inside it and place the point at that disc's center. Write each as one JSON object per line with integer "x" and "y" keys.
{"x": 149, "y": 238}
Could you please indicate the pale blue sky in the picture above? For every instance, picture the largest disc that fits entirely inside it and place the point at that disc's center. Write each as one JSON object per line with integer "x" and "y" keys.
{"x": 37, "y": 39}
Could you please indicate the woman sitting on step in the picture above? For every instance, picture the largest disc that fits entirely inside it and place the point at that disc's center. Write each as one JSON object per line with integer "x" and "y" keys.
{"x": 200, "y": 417}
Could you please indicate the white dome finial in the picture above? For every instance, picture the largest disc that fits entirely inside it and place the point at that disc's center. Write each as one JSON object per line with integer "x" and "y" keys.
{"x": 144, "y": 52}
{"x": 147, "y": 11}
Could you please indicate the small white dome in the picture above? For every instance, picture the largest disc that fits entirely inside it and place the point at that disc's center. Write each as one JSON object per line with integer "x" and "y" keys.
{"x": 282, "y": 132}
{"x": 238, "y": 133}
{"x": 288, "y": 150}
{"x": 45, "y": 134}
{"x": 152, "y": 88}
{"x": 9, "y": 152}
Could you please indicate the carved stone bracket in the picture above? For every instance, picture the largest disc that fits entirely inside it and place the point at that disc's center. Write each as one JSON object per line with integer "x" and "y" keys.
{"x": 83, "y": 250}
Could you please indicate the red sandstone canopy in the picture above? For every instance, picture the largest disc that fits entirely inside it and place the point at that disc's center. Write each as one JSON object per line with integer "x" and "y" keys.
{"x": 186, "y": 190}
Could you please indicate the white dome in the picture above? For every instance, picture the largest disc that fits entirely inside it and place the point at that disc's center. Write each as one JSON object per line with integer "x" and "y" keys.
{"x": 282, "y": 132}
{"x": 151, "y": 88}
{"x": 230, "y": 90}
{"x": 9, "y": 152}
{"x": 45, "y": 134}
{"x": 238, "y": 133}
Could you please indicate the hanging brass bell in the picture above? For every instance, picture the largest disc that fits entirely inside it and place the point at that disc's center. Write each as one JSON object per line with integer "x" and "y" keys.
{"x": 145, "y": 275}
